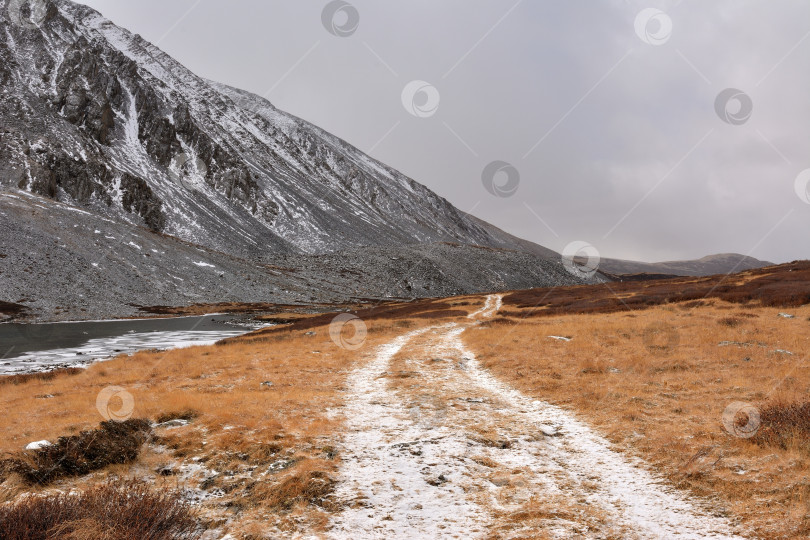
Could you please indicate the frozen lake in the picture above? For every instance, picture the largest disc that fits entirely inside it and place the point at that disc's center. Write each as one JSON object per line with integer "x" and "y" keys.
{"x": 26, "y": 348}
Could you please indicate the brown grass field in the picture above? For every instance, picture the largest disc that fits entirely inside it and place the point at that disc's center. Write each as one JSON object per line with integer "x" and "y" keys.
{"x": 644, "y": 366}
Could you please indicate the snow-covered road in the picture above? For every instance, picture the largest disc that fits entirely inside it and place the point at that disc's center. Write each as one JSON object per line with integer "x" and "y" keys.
{"x": 436, "y": 447}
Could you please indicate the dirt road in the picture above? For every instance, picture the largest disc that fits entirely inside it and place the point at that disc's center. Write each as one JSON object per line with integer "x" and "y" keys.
{"x": 436, "y": 447}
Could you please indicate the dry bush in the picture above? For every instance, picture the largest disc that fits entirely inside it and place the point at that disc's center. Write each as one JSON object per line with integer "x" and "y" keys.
{"x": 75, "y": 455}
{"x": 127, "y": 510}
{"x": 731, "y": 322}
{"x": 185, "y": 414}
{"x": 23, "y": 378}
{"x": 784, "y": 425}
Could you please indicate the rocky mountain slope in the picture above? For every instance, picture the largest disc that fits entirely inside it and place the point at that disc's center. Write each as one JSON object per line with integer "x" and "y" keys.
{"x": 126, "y": 179}
{"x": 723, "y": 263}
{"x": 95, "y": 116}
{"x": 63, "y": 263}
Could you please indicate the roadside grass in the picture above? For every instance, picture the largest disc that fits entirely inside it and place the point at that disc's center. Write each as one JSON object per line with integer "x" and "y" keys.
{"x": 260, "y": 457}
{"x": 129, "y": 510}
{"x": 656, "y": 382}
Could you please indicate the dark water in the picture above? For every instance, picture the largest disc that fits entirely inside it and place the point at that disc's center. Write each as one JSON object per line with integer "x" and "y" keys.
{"x": 38, "y": 347}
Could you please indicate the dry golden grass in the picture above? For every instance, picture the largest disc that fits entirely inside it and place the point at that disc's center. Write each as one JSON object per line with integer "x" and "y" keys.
{"x": 656, "y": 383}
{"x": 267, "y": 451}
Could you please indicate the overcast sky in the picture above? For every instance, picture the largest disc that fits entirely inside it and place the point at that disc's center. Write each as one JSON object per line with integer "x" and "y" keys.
{"x": 607, "y": 113}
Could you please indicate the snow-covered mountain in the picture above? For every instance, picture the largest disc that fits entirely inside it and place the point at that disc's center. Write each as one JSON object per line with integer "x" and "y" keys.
{"x": 109, "y": 146}
{"x": 95, "y": 116}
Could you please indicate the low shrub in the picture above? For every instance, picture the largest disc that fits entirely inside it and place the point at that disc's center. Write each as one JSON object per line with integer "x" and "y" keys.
{"x": 123, "y": 510}
{"x": 786, "y": 425}
{"x": 731, "y": 322}
{"x": 40, "y": 376}
{"x": 75, "y": 455}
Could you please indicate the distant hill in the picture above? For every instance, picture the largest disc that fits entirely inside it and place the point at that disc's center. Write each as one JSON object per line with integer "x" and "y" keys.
{"x": 723, "y": 263}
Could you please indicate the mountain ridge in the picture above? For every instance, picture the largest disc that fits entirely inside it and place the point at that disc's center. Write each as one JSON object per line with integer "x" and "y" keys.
{"x": 720, "y": 263}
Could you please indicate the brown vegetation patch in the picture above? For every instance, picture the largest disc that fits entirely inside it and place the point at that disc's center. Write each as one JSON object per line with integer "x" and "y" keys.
{"x": 113, "y": 511}
{"x": 785, "y": 425}
{"x": 786, "y": 285}
{"x": 185, "y": 414}
{"x": 11, "y": 309}
{"x": 75, "y": 455}
{"x": 240, "y": 307}
{"x": 23, "y": 378}
{"x": 731, "y": 322}
{"x": 440, "y": 314}
{"x": 394, "y": 311}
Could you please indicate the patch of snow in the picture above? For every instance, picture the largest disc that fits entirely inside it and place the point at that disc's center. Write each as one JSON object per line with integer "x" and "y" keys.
{"x": 36, "y": 445}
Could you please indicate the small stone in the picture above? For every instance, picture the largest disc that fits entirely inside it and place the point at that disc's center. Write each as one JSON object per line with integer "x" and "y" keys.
{"x": 268, "y": 384}
{"x": 165, "y": 471}
{"x": 439, "y": 480}
{"x": 786, "y": 315}
{"x": 549, "y": 431}
{"x": 500, "y": 481}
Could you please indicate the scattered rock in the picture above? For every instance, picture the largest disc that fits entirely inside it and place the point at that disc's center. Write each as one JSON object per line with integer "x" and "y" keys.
{"x": 36, "y": 445}
{"x": 165, "y": 471}
{"x": 549, "y": 431}
{"x": 500, "y": 481}
{"x": 268, "y": 384}
{"x": 177, "y": 422}
{"x": 739, "y": 344}
{"x": 309, "y": 333}
{"x": 280, "y": 465}
{"x": 439, "y": 480}
{"x": 208, "y": 482}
